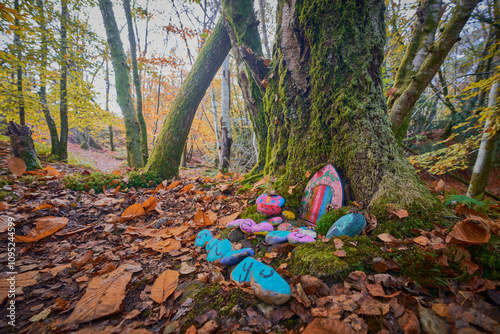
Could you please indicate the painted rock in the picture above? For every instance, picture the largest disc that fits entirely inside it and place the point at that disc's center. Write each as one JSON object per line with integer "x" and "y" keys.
{"x": 277, "y": 237}
{"x": 211, "y": 244}
{"x": 269, "y": 286}
{"x": 351, "y": 224}
{"x": 276, "y": 221}
{"x": 297, "y": 238}
{"x": 220, "y": 250}
{"x": 285, "y": 227}
{"x": 262, "y": 228}
{"x": 243, "y": 271}
{"x": 270, "y": 204}
{"x": 203, "y": 237}
{"x": 306, "y": 231}
{"x": 288, "y": 215}
{"x": 323, "y": 189}
{"x": 235, "y": 223}
{"x": 246, "y": 226}
{"x": 236, "y": 256}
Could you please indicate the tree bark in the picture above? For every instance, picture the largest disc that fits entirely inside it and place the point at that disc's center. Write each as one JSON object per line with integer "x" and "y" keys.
{"x": 122, "y": 84}
{"x": 19, "y": 68}
{"x": 62, "y": 149}
{"x": 51, "y": 123}
{"x": 166, "y": 154}
{"x": 262, "y": 17}
{"x": 405, "y": 98}
{"x": 225, "y": 119}
{"x": 325, "y": 105}
{"x": 111, "y": 143}
{"x": 137, "y": 82}
{"x": 216, "y": 128}
{"x": 22, "y": 145}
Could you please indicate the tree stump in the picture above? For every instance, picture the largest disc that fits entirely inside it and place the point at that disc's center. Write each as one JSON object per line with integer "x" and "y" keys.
{"x": 22, "y": 145}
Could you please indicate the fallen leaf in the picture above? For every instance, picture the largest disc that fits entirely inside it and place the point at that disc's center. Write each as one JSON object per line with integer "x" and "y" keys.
{"x": 440, "y": 186}
{"x": 212, "y": 216}
{"x": 340, "y": 253}
{"x": 105, "y": 201}
{"x": 338, "y": 243}
{"x": 471, "y": 232}
{"x": 44, "y": 207}
{"x": 22, "y": 280}
{"x": 51, "y": 171}
{"x": 16, "y": 165}
{"x": 42, "y": 315}
{"x": 132, "y": 212}
{"x": 103, "y": 297}
{"x": 370, "y": 306}
{"x": 164, "y": 285}
{"x": 187, "y": 188}
{"x": 149, "y": 204}
{"x": 227, "y": 219}
{"x": 174, "y": 184}
{"x": 470, "y": 266}
{"x": 386, "y": 237}
{"x": 261, "y": 182}
{"x": 201, "y": 219}
{"x": 44, "y": 227}
{"x": 186, "y": 269}
{"x": 290, "y": 189}
{"x": 375, "y": 290}
{"x": 308, "y": 174}
{"x": 421, "y": 240}
{"x": 401, "y": 213}
{"x": 4, "y": 206}
{"x": 328, "y": 326}
{"x": 162, "y": 246}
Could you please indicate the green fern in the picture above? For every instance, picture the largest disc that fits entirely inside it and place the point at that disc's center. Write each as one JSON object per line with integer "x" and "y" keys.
{"x": 462, "y": 199}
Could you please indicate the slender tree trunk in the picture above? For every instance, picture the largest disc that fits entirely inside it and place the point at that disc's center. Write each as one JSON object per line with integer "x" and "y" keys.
{"x": 449, "y": 105}
{"x": 51, "y": 123}
{"x": 158, "y": 94}
{"x": 262, "y": 17}
{"x": 62, "y": 149}
{"x": 122, "y": 84}
{"x": 326, "y": 103}
{"x": 405, "y": 98}
{"x": 86, "y": 139}
{"x": 225, "y": 119}
{"x": 111, "y": 143}
{"x": 137, "y": 82}
{"x": 166, "y": 154}
{"x": 216, "y": 127}
{"x": 19, "y": 68}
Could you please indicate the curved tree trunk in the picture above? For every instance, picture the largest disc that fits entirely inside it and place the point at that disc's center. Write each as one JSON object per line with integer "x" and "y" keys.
{"x": 326, "y": 102}
{"x": 137, "y": 82}
{"x": 167, "y": 151}
{"x": 122, "y": 83}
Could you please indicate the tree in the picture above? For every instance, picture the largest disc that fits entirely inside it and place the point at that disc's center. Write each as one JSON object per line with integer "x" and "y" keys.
{"x": 122, "y": 83}
{"x": 225, "y": 118}
{"x": 19, "y": 68}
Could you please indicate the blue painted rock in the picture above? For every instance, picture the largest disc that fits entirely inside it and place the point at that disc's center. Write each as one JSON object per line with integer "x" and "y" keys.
{"x": 262, "y": 228}
{"x": 246, "y": 226}
{"x": 243, "y": 271}
{"x": 269, "y": 286}
{"x": 270, "y": 204}
{"x": 236, "y": 256}
{"x": 297, "y": 238}
{"x": 351, "y": 224}
{"x": 276, "y": 221}
{"x": 235, "y": 223}
{"x": 220, "y": 250}
{"x": 289, "y": 215}
{"x": 285, "y": 227}
{"x": 307, "y": 231}
{"x": 211, "y": 244}
{"x": 277, "y": 237}
{"x": 203, "y": 237}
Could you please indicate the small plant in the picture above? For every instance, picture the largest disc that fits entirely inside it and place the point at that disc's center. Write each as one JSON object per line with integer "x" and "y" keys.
{"x": 472, "y": 203}
{"x": 251, "y": 213}
{"x": 144, "y": 180}
{"x": 96, "y": 181}
{"x": 329, "y": 218}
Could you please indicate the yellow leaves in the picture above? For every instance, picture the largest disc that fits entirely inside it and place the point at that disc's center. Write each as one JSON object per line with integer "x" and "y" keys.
{"x": 164, "y": 285}
{"x": 16, "y": 165}
{"x": 44, "y": 227}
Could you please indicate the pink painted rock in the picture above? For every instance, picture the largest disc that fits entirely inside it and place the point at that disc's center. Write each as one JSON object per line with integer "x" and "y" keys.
{"x": 270, "y": 204}
{"x": 285, "y": 227}
{"x": 262, "y": 228}
{"x": 276, "y": 221}
{"x": 247, "y": 225}
{"x": 297, "y": 238}
{"x": 235, "y": 223}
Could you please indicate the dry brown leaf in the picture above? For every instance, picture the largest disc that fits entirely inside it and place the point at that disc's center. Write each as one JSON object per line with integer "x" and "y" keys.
{"x": 44, "y": 206}
{"x": 386, "y": 237}
{"x": 308, "y": 174}
{"x": 152, "y": 232}
{"x": 4, "y": 206}
{"x": 16, "y": 165}
{"x": 375, "y": 290}
{"x": 51, "y": 171}
{"x": 162, "y": 246}
{"x": 224, "y": 220}
{"x": 173, "y": 184}
{"x": 338, "y": 243}
{"x": 328, "y": 326}
{"x": 471, "y": 232}
{"x": 401, "y": 213}
{"x": 238, "y": 177}
{"x": 103, "y": 297}
{"x": 187, "y": 188}
{"x": 372, "y": 307}
{"x": 290, "y": 188}
{"x": 421, "y": 240}
{"x": 106, "y": 201}
{"x": 132, "y": 212}
{"x": 186, "y": 269}
{"x": 164, "y": 285}
{"x": 22, "y": 280}
{"x": 212, "y": 216}
{"x": 4, "y": 223}
{"x": 340, "y": 253}
{"x": 440, "y": 186}
{"x": 261, "y": 182}
{"x": 201, "y": 219}
{"x": 470, "y": 266}
{"x": 150, "y": 204}
{"x": 44, "y": 227}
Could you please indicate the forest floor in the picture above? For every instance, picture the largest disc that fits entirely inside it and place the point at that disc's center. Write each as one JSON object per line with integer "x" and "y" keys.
{"x": 124, "y": 261}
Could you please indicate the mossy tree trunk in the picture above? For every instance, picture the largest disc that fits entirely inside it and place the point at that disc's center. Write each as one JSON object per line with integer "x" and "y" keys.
{"x": 19, "y": 68}
{"x": 403, "y": 100}
{"x": 62, "y": 148}
{"x": 137, "y": 82}
{"x": 111, "y": 143}
{"x": 225, "y": 117}
{"x": 122, "y": 84}
{"x": 325, "y": 98}
{"x": 166, "y": 153}
{"x": 22, "y": 145}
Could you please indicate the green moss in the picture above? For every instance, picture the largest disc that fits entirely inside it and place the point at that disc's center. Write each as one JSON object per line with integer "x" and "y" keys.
{"x": 96, "y": 181}
{"x": 329, "y": 218}
{"x": 224, "y": 233}
{"x": 318, "y": 259}
{"x": 251, "y": 213}
{"x": 4, "y": 194}
{"x": 488, "y": 257}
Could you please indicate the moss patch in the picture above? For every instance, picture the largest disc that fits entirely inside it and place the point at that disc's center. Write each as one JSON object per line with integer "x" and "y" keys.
{"x": 251, "y": 213}
{"x": 318, "y": 259}
{"x": 329, "y": 218}
{"x": 488, "y": 257}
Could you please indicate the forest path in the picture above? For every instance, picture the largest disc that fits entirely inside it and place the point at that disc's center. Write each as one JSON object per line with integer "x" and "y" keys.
{"x": 103, "y": 160}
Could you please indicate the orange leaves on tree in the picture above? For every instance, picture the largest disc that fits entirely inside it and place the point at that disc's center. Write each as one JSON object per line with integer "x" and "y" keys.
{"x": 44, "y": 227}
{"x": 16, "y": 165}
{"x": 138, "y": 209}
{"x": 164, "y": 285}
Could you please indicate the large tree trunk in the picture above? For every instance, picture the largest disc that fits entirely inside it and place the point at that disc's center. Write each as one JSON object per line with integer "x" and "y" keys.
{"x": 407, "y": 95}
{"x": 122, "y": 84}
{"x": 62, "y": 148}
{"x": 326, "y": 104}
{"x": 225, "y": 117}
{"x": 22, "y": 145}
{"x": 51, "y": 123}
{"x": 19, "y": 68}
{"x": 137, "y": 82}
{"x": 166, "y": 154}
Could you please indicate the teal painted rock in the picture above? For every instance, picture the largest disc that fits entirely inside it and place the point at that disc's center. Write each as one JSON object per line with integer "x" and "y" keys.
{"x": 262, "y": 228}
{"x": 350, "y": 225}
{"x": 269, "y": 286}
{"x": 243, "y": 271}
{"x": 203, "y": 237}
{"x": 277, "y": 237}
{"x": 297, "y": 238}
{"x": 236, "y": 256}
{"x": 211, "y": 244}
{"x": 285, "y": 227}
{"x": 276, "y": 221}
{"x": 235, "y": 223}
{"x": 220, "y": 250}
{"x": 246, "y": 226}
